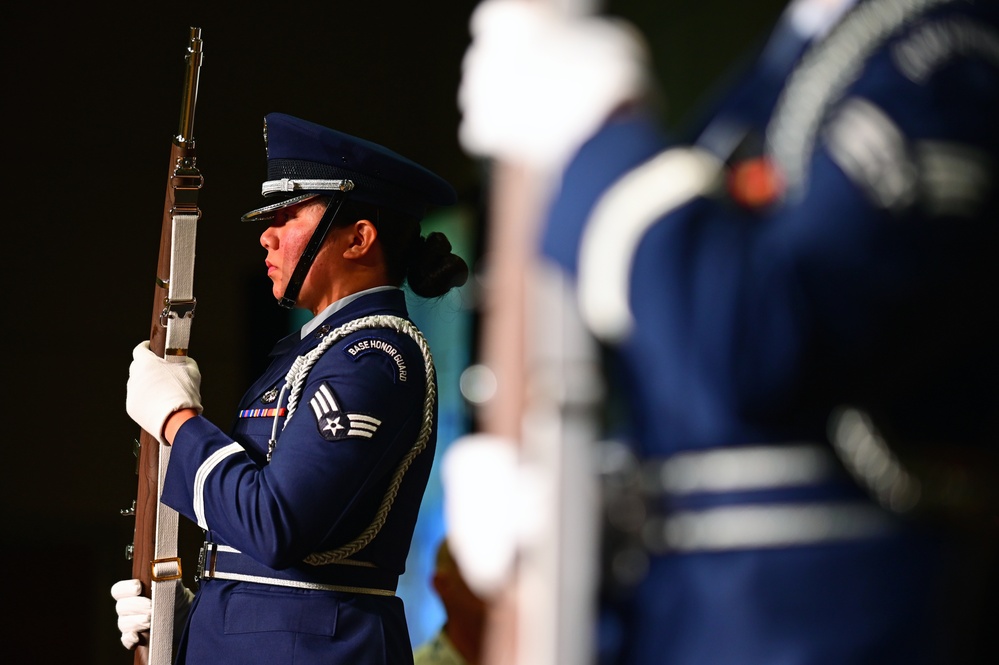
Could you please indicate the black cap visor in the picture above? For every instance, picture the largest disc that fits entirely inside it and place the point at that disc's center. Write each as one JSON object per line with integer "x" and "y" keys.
{"x": 268, "y": 212}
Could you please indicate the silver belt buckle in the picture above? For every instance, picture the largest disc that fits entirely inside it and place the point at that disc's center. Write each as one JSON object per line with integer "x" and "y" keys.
{"x": 206, "y": 561}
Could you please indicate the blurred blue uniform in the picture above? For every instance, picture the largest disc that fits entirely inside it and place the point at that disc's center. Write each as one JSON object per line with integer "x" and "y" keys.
{"x": 780, "y": 534}
{"x": 349, "y": 466}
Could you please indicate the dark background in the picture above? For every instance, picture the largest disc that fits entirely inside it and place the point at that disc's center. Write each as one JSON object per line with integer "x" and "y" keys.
{"x": 91, "y": 94}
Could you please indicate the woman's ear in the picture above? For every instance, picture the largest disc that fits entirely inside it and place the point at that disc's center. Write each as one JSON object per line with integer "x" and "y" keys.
{"x": 362, "y": 238}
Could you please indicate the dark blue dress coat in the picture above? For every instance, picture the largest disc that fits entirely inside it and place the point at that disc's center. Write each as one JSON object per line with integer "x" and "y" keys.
{"x": 346, "y": 475}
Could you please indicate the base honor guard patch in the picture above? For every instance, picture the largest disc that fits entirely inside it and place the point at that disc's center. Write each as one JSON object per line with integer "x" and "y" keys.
{"x": 373, "y": 345}
{"x": 334, "y": 424}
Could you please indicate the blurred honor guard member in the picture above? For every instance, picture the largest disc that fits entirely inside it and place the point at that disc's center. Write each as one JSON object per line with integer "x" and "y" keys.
{"x": 802, "y": 299}
{"x": 309, "y": 502}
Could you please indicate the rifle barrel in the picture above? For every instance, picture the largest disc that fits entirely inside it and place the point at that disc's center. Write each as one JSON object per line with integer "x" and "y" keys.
{"x": 183, "y": 183}
{"x": 191, "y": 79}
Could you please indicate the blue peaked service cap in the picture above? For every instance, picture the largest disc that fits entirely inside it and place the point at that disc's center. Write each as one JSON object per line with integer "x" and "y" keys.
{"x": 305, "y": 160}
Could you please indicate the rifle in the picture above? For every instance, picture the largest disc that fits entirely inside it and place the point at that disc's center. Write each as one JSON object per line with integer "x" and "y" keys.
{"x": 153, "y": 551}
{"x": 546, "y": 402}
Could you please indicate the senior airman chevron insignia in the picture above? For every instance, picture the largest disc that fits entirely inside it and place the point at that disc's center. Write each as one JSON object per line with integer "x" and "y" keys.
{"x": 335, "y": 425}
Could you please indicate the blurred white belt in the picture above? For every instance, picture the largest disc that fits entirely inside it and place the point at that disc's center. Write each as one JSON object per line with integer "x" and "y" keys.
{"x": 760, "y": 524}
{"x": 734, "y": 469}
{"x": 765, "y": 526}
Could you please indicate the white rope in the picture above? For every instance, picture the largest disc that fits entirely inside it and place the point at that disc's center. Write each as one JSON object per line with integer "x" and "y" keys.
{"x": 295, "y": 382}
{"x": 822, "y": 76}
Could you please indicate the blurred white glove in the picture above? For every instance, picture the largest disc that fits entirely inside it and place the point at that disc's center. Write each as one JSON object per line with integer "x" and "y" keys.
{"x": 536, "y": 84}
{"x": 157, "y": 387}
{"x": 493, "y": 504}
{"x": 135, "y": 610}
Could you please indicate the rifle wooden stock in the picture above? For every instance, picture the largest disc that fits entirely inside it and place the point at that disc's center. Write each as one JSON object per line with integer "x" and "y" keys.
{"x": 183, "y": 184}
{"x": 514, "y": 210}
{"x": 542, "y": 616}
{"x": 547, "y": 404}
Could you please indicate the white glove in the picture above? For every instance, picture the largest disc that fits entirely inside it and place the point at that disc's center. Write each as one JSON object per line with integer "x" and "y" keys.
{"x": 135, "y": 610}
{"x": 493, "y": 504}
{"x": 158, "y": 386}
{"x": 536, "y": 85}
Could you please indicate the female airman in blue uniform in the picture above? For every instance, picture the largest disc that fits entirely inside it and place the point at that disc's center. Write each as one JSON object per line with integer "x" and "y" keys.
{"x": 310, "y": 500}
